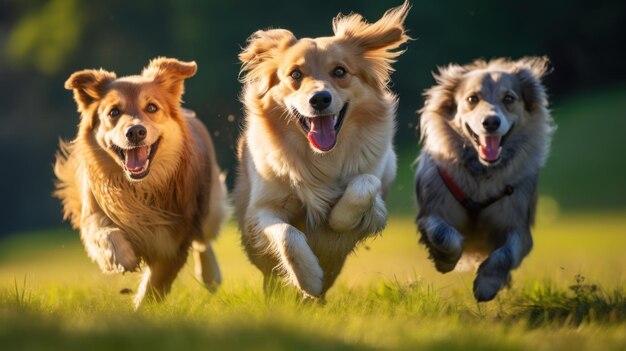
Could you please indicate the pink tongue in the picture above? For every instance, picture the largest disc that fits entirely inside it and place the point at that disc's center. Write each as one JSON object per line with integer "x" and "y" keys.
{"x": 490, "y": 147}
{"x": 322, "y": 133}
{"x": 136, "y": 158}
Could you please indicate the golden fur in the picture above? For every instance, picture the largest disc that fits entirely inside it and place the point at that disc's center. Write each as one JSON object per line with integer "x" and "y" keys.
{"x": 302, "y": 208}
{"x": 454, "y": 127}
{"x": 181, "y": 201}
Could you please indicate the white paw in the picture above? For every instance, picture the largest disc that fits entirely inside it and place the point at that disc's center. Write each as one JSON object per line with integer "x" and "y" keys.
{"x": 109, "y": 248}
{"x": 355, "y": 203}
{"x": 301, "y": 264}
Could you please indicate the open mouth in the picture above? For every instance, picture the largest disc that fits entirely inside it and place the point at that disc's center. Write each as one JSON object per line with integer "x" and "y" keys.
{"x": 136, "y": 160}
{"x": 489, "y": 146}
{"x": 322, "y": 131}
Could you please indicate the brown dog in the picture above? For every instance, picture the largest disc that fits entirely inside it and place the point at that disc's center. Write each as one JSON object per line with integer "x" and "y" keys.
{"x": 316, "y": 156}
{"x": 486, "y": 131}
{"x": 141, "y": 180}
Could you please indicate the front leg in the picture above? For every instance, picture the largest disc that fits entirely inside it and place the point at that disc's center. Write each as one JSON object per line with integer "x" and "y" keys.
{"x": 495, "y": 271}
{"x": 360, "y": 207}
{"x": 158, "y": 277}
{"x": 289, "y": 245}
{"x": 107, "y": 245}
{"x": 444, "y": 243}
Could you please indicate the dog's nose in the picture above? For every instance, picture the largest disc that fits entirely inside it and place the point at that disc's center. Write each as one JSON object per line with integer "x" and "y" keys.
{"x": 136, "y": 134}
{"x": 491, "y": 123}
{"x": 321, "y": 100}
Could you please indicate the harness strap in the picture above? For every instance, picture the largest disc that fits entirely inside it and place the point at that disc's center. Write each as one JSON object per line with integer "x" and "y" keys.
{"x": 473, "y": 207}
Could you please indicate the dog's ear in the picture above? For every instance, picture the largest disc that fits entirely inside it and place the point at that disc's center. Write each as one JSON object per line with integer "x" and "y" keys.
{"x": 376, "y": 42}
{"x": 440, "y": 104}
{"x": 89, "y": 86}
{"x": 170, "y": 73}
{"x": 262, "y": 46}
{"x": 440, "y": 98}
{"x": 530, "y": 72}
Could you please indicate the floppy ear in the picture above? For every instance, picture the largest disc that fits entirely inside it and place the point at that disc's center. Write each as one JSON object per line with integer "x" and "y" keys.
{"x": 262, "y": 47}
{"x": 375, "y": 41}
{"x": 88, "y": 86}
{"x": 440, "y": 105}
{"x": 170, "y": 73}
{"x": 530, "y": 71}
{"x": 440, "y": 98}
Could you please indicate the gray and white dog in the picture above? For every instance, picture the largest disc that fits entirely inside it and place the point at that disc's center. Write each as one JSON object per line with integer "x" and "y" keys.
{"x": 486, "y": 131}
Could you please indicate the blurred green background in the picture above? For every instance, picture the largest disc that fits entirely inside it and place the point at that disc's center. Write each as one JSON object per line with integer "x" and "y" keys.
{"x": 43, "y": 42}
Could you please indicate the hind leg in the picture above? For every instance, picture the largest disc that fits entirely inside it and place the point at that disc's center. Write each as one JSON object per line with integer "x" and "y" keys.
{"x": 206, "y": 268}
{"x": 444, "y": 243}
{"x": 495, "y": 271}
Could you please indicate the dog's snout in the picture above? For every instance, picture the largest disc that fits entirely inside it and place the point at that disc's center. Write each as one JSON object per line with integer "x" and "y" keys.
{"x": 136, "y": 134}
{"x": 491, "y": 123}
{"x": 321, "y": 100}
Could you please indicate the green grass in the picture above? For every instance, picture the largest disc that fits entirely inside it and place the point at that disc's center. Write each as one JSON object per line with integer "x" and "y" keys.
{"x": 587, "y": 160}
{"x": 388, "y": 297}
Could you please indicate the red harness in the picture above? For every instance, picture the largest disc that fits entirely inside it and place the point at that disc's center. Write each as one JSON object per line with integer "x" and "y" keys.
{"x": 472, "y": 207}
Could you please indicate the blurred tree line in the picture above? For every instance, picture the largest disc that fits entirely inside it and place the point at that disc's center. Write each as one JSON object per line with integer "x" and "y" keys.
{"x": 43, "y": 42}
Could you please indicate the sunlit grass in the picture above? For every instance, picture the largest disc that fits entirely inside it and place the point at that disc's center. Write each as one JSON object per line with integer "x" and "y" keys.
{"x": 388, "y": 297}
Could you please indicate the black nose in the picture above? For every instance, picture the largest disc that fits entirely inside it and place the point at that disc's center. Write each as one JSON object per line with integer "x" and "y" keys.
{"x": 136, "y": 134}
{"x": 491, "y": 123}
{"x": 321, "y": 100}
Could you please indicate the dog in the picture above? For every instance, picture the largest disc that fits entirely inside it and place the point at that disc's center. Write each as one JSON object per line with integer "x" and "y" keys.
{"x": 486, "y": 132}
{"x": 316, "y": 155}
{"x": 140, "y": 181}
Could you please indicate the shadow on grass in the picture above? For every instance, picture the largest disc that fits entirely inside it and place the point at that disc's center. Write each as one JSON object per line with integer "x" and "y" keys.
{"x": 31, "y": 332}
{"x": 583, "y": 303}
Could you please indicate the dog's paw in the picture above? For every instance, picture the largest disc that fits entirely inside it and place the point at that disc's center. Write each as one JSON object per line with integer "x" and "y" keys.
{"x": 302, "y": 266}
{"x": 486, "y": 287}
{"x": 109, "y": 248}
{"x": 445, "y": 244}
{"x": 123, "y": 253}
{"x": 206, "y": 268}
{"x": 444, "y": 262}
{"x": 375, "y": 219}
{"x": 358, "y": 200}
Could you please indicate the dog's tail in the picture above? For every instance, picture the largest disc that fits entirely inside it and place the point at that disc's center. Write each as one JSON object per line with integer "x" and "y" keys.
{"x": 66, "y": 187}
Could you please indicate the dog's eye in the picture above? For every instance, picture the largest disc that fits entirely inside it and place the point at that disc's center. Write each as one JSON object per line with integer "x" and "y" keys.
{"x": 115, "y": 112}
{"x": 151, "y": 108}
{"x": 508, "y": 99}
{"x": 296, "y": 74}
{"x": 339, "y": 72}
{"x": 473, "y": 99}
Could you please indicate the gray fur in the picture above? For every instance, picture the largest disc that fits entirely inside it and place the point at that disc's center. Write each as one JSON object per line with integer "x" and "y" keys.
{"x": 500, "y": 234}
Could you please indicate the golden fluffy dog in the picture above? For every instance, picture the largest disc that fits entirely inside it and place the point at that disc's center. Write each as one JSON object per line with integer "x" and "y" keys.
{"x": 486, "y": 132}
{"x": 141, "y": 180}
{"x": 316, "y": 156}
